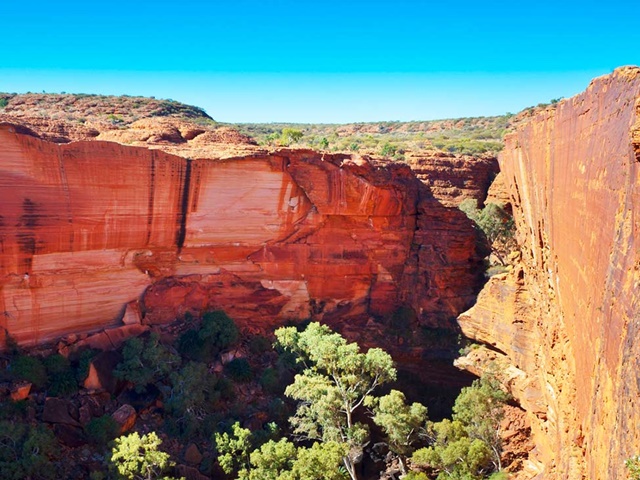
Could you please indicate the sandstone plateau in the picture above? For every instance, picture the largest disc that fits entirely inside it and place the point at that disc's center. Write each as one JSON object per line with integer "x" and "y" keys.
{"x": 564, "y": 323}
{"x": 97, "y": 234}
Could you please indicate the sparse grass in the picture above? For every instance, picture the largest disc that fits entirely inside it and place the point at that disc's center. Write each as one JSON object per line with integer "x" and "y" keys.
{"x": 462, "y": 135}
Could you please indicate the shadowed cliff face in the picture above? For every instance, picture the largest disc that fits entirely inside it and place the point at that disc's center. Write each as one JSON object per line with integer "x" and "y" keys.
{"x": 89, "y": 228}
{"x": 567, "y": 317}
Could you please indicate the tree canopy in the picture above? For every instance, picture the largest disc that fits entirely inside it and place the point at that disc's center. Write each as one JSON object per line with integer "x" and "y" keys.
{"x": 336, "y": 381}
{"x": 496, "y": 224}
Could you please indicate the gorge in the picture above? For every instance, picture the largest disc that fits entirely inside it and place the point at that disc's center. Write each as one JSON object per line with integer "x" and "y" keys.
{"x": 118, "y": 229}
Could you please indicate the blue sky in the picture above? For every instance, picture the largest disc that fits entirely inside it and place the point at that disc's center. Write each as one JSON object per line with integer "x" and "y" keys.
{"x": 332, "y": 61}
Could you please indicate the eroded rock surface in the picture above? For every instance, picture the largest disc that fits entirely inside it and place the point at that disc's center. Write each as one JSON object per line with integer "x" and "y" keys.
{"x": 566, "y": 318}
{"x": 95, "y": 234}
{"x": 454, "y": 178}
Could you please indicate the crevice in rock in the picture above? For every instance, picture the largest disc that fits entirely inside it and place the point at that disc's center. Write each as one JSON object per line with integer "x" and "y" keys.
{"x": 184, "y": 206}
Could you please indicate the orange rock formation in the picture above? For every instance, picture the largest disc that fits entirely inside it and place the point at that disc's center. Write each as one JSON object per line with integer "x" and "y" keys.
{"x": 97, "y": 234}
{"x": 454, "y": 178}
{"x": 566, "y": 319}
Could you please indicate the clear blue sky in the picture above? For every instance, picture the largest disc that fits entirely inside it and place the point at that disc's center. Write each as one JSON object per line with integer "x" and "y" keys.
{"x": 332, "y": 61}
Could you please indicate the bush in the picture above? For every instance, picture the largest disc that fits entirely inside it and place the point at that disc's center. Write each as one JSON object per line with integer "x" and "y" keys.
{"x": 388, "y": 150}
{"x": 269, "y": 380}
{"x": 135, "y": 457}
{"x": 31, "y": 369}
{"x": 219, "y": 329}
{"x": 83, "y": 362}
{"x": 216, "y": 332}
{"x": 415, "y": 476}
{"x": 145, "y": 361}
{"x": 496, "y": 224}
{"x": 239, "y": 370}
{"x": 102, "y": 430}
{"x": 193, "y": 389}
{"x": 259, "y": 344}
{"x": 62, "y": 378}
{"x": 26, "y": 451}
{"x": 469, "y": 445}
{"x": 290, "y": 135}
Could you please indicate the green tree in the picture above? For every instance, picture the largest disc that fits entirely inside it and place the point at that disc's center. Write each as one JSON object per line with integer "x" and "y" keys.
{"x": 270, "y": 460}
{"x": 282, "y": 460}
{"x": 402, "y": 423}
{"x": 290, "y": 135}
{"x": 324, "y": 143}
{"x": 496, "y": 224}
{"x": 239, "y": 370}
{"x": 453, "y": 453}
{"x": 31, "y": 369}
{"x": 388, "y": 150}
{"x": 468, "y": 446}
{"x": 336, "y": 381}
{"x": 320, "y": 462}
{"x": 194, "y": 390}
{"x": 139, "y": 458}
{"x": 216, "y": 332}
{"x": 26, "y": 451}
{"x": 145, "y": 361}
{"x": 480, "y": 408}
{"x": 234, "y": 449}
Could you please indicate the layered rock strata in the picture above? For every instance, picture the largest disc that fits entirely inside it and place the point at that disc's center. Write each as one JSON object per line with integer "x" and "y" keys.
{"x": 453, "y": 178}
{"x": 96, "y": 234}
{"x": 566, "y": 318}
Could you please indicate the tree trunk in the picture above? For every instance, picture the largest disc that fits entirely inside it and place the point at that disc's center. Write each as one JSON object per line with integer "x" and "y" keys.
{"x": 350, "y": 466}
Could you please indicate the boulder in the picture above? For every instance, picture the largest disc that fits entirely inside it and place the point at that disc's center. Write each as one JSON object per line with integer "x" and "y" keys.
{"x": 58, "y": 410}
{"x": 20, "y": 391}
{"x": 125, "y": 417}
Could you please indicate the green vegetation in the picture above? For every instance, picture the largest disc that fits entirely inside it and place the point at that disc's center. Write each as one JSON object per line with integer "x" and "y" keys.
{"x": 463, "y": 135}
{"x": 402, "y": 423}
{"x": 216, "y": 332}
{"x": 496, "y": 224}
{"x": 633, "y": 467}
{"x": 193, "y": 390}
{"x": 30, "y": 369}
{"x": 239, "y": 370}
{"x": 290, "y": 135}
{"x": 469, "y": 445}
{"x": 101, "y": 430}
{"x": 334, "y": 408}
{"x": 26, "y": 451}
{"x": 145, "y": 361}
{"x": 234, "y": 449}
{"x": 138, "y": 458}
{"x": 4, "y": 102}
{"x": 62, "y": 377}
{"x": 282, "y": 460}
{"x": 335, "y": 383}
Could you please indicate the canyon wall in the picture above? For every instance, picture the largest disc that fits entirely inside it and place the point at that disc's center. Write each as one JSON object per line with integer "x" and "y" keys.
{"x": 95, "y": 233}
{"x": 564, "y": 323}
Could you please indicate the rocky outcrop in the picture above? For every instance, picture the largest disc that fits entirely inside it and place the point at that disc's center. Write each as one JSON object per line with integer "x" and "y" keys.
{"x": 95, "y": 234}
{"x": 454, "y": 178}
{"x": 566, "y": 318}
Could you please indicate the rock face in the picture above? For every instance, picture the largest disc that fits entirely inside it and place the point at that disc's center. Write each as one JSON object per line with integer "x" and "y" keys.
{"x": 96, "y": 234}
{"x": 454, "y": 178}
{"x": 567, "y": 317}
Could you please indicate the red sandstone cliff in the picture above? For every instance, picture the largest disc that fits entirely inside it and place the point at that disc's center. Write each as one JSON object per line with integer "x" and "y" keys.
{"x": 454, "y": 178}
{"x": 566, "y": 319}
{"x": 90, "y": 227}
